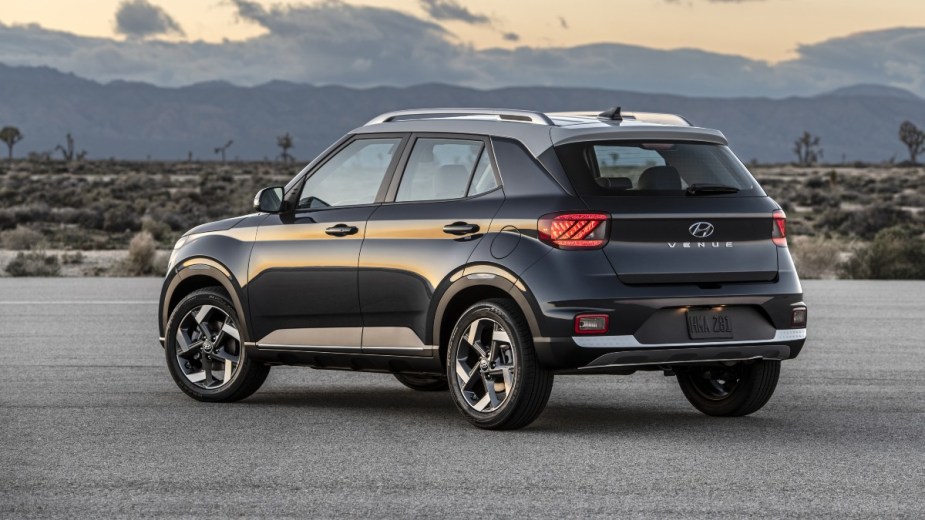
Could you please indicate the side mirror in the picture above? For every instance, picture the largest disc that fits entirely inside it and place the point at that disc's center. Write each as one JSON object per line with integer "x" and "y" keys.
{"x": 269, "y": 200}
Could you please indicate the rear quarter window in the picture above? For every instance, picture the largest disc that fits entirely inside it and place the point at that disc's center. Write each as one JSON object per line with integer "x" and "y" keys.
{"x": 622, "y": 168}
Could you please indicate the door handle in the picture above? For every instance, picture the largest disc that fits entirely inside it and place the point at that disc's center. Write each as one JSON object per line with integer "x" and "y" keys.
{"x": 460, "y": 228}
{"x": 341, "y": 230}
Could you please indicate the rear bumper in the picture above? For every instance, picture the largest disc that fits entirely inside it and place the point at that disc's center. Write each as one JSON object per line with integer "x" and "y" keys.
{"x": 587, "y": 354}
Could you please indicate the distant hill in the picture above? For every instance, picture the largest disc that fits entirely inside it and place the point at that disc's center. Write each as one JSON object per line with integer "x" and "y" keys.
{"x": 136, "y": 120}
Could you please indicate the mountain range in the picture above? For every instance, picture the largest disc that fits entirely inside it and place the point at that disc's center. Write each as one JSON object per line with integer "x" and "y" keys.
{"x": 131, "y": 120}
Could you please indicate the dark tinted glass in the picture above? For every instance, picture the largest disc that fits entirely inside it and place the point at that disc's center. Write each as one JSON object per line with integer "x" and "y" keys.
{"x": 634, "y": 168}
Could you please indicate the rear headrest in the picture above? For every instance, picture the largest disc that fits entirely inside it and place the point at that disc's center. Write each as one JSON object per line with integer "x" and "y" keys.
{"x": 660, "y": 178}
{"x": 451, "y": 181}
{"x": 615, "y": 183}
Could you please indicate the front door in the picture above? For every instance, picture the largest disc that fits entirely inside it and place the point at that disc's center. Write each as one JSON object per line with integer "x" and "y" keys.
{"x": 303, "y": 291}
{"x": 434, "y": 217}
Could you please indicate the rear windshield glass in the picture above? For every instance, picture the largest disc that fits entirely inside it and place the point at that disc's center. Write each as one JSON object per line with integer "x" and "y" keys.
{"x": 653, "y": 168}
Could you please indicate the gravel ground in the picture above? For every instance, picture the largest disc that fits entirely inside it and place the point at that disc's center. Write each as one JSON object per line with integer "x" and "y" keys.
{"x": 92, "y": 425}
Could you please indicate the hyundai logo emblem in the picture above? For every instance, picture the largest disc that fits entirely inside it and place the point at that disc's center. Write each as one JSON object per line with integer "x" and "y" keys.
{"x": 701, "y": 229}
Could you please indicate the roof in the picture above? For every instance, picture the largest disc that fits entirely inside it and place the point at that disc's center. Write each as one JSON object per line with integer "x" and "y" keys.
{"x": 539, "y": 130}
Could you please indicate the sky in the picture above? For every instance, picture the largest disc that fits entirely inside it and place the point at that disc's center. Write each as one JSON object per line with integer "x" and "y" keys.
{"x": 700, "y": 47}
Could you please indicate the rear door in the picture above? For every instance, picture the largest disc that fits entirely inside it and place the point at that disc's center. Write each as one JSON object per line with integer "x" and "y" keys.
{"x": 436, "y": 213}
{"x": 683, "y": 212}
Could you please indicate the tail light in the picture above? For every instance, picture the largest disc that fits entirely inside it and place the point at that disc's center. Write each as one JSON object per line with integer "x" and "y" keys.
{"x": 779, "y": 229}
{"x": 574, "y": 230}
{"x": 592, "y": 323}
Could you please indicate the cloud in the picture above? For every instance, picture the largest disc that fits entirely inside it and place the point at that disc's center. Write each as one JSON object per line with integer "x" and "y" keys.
{"x": 511, "y": 37}
{"x": 362, "y": 46}
{"x": 141, "y": 19}
{"x": 450, "y": 10}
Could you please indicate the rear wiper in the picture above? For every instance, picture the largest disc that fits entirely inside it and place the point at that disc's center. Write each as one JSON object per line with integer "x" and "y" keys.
{"x": 706, "y": 189}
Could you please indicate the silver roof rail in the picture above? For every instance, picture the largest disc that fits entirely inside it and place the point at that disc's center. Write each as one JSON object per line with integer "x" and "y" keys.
{"x": 642, "y": 117}
{"x": 523, "y": 116}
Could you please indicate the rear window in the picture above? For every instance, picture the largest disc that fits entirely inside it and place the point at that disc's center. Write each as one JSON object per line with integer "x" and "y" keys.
{"x": 653, "y": 168}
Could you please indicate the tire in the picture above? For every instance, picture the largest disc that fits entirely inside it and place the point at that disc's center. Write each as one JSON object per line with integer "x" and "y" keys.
{"x": 494, "y": 376}
{"x": 186, "y": 346}
{"x": 730, "y": 391}
{"x": 422, "y": 383}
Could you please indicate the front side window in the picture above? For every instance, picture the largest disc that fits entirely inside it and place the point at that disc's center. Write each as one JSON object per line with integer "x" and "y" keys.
{"x": 352, "y": 177}
{"x": 440, "y": 169}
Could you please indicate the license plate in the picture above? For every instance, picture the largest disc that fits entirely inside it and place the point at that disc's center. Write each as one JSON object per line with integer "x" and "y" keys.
{"x": 708, "y": 324}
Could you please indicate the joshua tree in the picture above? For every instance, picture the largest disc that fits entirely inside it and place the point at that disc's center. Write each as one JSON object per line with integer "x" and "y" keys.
{"x": 807, "y": 149}
{"x": 68, "y": 153}
{"x": 222, "y": 149}
{"x": 285, "y": 142}
{"x": 913, "y": 138}
{"x": 10, "y": 135}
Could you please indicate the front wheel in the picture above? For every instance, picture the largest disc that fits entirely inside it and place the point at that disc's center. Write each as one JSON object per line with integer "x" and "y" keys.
{"x": 730, "y": 391}
{"x": 205, "y": 351}
{"x": 494, "y": 376}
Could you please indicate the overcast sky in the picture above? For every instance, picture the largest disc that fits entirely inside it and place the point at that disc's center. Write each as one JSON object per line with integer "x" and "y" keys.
{"x": 700, "y": 47}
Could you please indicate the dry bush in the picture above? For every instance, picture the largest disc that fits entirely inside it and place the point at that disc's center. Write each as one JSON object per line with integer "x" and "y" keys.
{"x": 142, "y": 251}
{"x": 818, "y": 258}
{"x": 23, "y": 237}
{"x": 896, "y": 253}
{"x": 35, "y": 263}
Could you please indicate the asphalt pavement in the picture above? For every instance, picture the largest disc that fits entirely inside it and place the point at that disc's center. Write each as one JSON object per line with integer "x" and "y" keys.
{"x": 91, "y": 425}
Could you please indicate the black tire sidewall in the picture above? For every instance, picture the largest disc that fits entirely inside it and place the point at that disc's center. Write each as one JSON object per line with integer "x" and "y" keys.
{"x": 195, "y": 299}
{"x": 737, "y": 403}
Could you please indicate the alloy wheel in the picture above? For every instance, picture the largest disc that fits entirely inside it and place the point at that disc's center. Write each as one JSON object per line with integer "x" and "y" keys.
{"x": 485, "y": 365}
{"x": 208, "y": 347}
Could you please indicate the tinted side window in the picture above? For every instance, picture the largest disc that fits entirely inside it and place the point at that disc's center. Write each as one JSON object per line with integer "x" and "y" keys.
{"x": 484, "y": 178}
{"x": 352, "y": 177}
{"x": 439, "y": 169}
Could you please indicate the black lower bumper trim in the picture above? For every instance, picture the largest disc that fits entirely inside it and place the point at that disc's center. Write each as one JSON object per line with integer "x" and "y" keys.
{"x": 631, "y": 358}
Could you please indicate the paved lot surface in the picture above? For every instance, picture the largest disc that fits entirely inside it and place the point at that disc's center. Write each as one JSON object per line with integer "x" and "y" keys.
{"x": 91, "y": 424}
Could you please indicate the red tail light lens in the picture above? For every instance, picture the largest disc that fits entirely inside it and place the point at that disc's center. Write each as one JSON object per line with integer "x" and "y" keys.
{"x": 574, "y": 230}
{"x": 779, "y": 229}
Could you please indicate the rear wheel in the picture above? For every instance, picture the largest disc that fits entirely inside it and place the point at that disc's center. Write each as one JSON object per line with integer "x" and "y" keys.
{"x": 730, "y": 391}
{"x": 493, "y": 373}
{"x": 205, "y": 351}
{"x": 422, "y": 383}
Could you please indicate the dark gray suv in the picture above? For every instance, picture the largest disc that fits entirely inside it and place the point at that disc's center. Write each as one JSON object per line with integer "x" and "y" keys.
{"x": 484, "y": 251}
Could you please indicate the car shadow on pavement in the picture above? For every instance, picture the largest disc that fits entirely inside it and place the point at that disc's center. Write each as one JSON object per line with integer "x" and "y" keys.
{"x": 611, "y": 419}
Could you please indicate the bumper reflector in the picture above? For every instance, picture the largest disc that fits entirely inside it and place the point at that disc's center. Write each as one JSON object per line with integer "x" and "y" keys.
{"x": 799, "y": 317}
{"x": 591, "y": 323}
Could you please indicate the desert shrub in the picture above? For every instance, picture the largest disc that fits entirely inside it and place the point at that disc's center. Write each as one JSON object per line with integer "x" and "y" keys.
{"x": 817, "y": 258}
{"x": 896, "y": 253}
{"x": 121, "y": 217}
{"x": 22, "y": 237}
{"x": 75, "y": 258}
{"x": 159, "y": 230}
{"x": 35, "y": 263}
{"x": 867, "y": 222}
{"x": 142, "y": 251}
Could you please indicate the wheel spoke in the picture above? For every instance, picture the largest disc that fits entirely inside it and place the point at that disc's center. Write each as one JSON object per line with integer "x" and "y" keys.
{"x": 229, "y": 328}
{"x": 196, "y": 377}
{"x": 227, "y": 375}
{"x": 203, "y": 313}
{"x": 225, "y": 356}
{"x": 501, "y": 337}
{"x": 508, "y": 374}
{"x": 187, "y": 346}
{"x": 490, "y": 391}
{"x": 466, "y": 375}
{"x": 473, "y": 336}
{"x": 483, "y": 402}
{"x": 207, "y": 368}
